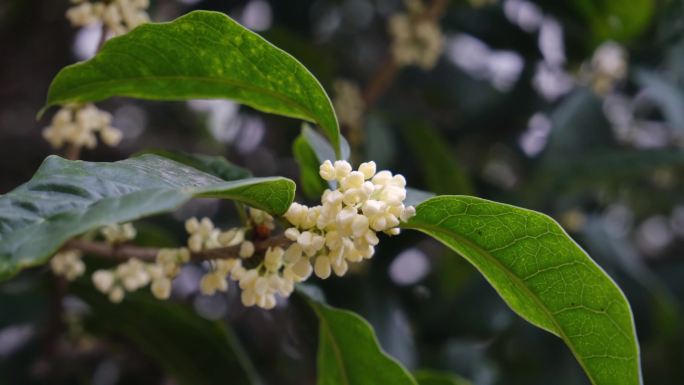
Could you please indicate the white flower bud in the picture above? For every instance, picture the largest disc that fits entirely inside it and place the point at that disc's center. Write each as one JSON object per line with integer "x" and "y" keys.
{"x": 327, "y": 171}
{"x": 367, "y": 169}
{"x": 333, "y": 240}
{"x": 296, "y": 214}
{"x": 248, "y": 279}
{"x": 342, "y": 169}
{"x": 111, "y": 136}
{"x": 293, "y": 253}
{"x": 269, "y": 302}
{"x": 322, "y": 267}
{"x": 206, "y": 226}
{"x": 273, "y": 259}
{"x": 332, "y": 198}
{"x": 382, "y": 178}
{"x": 261, "y": 286}
{"x": 393, "y": 231}
{"x": 161, "y": 288}
{"x": 226, "y": 238}
{"x": 373, "y": 207}
{"x": 192, "y": 225}
{"x": 302, "y": 269}
{"x": 399, "y": 181}
{"x": 359, "y": 225}
{"x": 340, "y": 268}
{"x": 103, "y": 280}
{"x": 292, "y": 234}
{"x": 213, "y": 282}
{"x": 195, "y": 242}
{"x": 246, "y": 249}
{"x": 408, "y": 213}
{"x": 353, "y": 180}
{"x": 248, "y": 298}
{"x": 117, "y": 294}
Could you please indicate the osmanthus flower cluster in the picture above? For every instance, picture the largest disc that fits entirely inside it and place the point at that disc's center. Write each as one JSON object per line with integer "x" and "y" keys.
{"x": 320, "y": 240}
{"x": 343, "y": 229}
{"x": 416, "y": 40}
{"x": 134, "y": 273}
{"x": 68, "y": 264}
{"x": 78, "y": 125}
{"x": 118, "y": 16}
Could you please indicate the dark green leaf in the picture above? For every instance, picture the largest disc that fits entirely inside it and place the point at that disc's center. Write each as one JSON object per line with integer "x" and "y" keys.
{"x": 311, "y": 182}
{"x": 349, "y": 353}
{"x": 441, "y": 171}
{"x": 66, "y": 198}
{"x": 429, "y": 377}
{"x": 192, "y": 350}
{"x": 616, "y": 20}
{"x": 544, "y": 276}
{"x": 202, "y": 55}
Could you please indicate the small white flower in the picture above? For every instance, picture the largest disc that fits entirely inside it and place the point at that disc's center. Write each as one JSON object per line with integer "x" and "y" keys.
{"x": 327, "y": 171}
{"x": 161, "y": 288}
{"x": 342, "y": 169}
{"x": 322, "y": 267}
{"x": 103, "y": 280}
{"x": 246, "y": 249}
{"x": 367, "y": 169}
{"x": 213, "y": 282}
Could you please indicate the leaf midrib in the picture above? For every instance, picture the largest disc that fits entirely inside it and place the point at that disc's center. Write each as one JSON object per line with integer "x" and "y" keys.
{"x": 424, "y": 228}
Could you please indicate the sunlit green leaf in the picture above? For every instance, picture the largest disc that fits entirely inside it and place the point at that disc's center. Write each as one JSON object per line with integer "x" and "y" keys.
{"x": 349, "y": 353}
{"x": 201, "y": 55}
{"x": 544, "y": 276}
{"x": 66, "y": 198}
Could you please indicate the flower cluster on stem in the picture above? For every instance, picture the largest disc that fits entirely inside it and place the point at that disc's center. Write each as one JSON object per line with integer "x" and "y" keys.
{"x": 68, "y": 264}
{"x": 416, "y": 40}
{"x": 119, "y": 16}
{"x": 320, "y": 240}
{"x": 343, "y": 229}
{"x": 77, "y": 125}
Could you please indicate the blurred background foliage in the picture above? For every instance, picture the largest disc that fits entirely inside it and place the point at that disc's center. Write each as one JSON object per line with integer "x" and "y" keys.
{"x": 515, "y": 110}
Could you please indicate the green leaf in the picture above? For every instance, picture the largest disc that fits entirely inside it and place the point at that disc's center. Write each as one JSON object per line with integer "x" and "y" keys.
{"x": 441, "y": 171}
{"x": 201, "y": 55}
{"x": 322, "y": 148}
{"x": 615, "y": 20}
{"x": 429, "y": 377}
{"x": 311, "y": 182}
{"x": 214, "y": 165}
{"x": 544, "y": 276}
{"x": 192, "y": 350}
{"x": 349, "y": 353}
{"x": 66, "y": 198}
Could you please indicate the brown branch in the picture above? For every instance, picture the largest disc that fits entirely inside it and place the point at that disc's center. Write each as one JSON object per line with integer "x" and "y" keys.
{"x": 125, "y": 252}
{"x": 72, "y": 152}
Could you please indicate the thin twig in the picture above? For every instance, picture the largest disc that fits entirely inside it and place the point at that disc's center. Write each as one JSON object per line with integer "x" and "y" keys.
{"x": 72, "y": 152}
{"x": 125, "y": 252}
